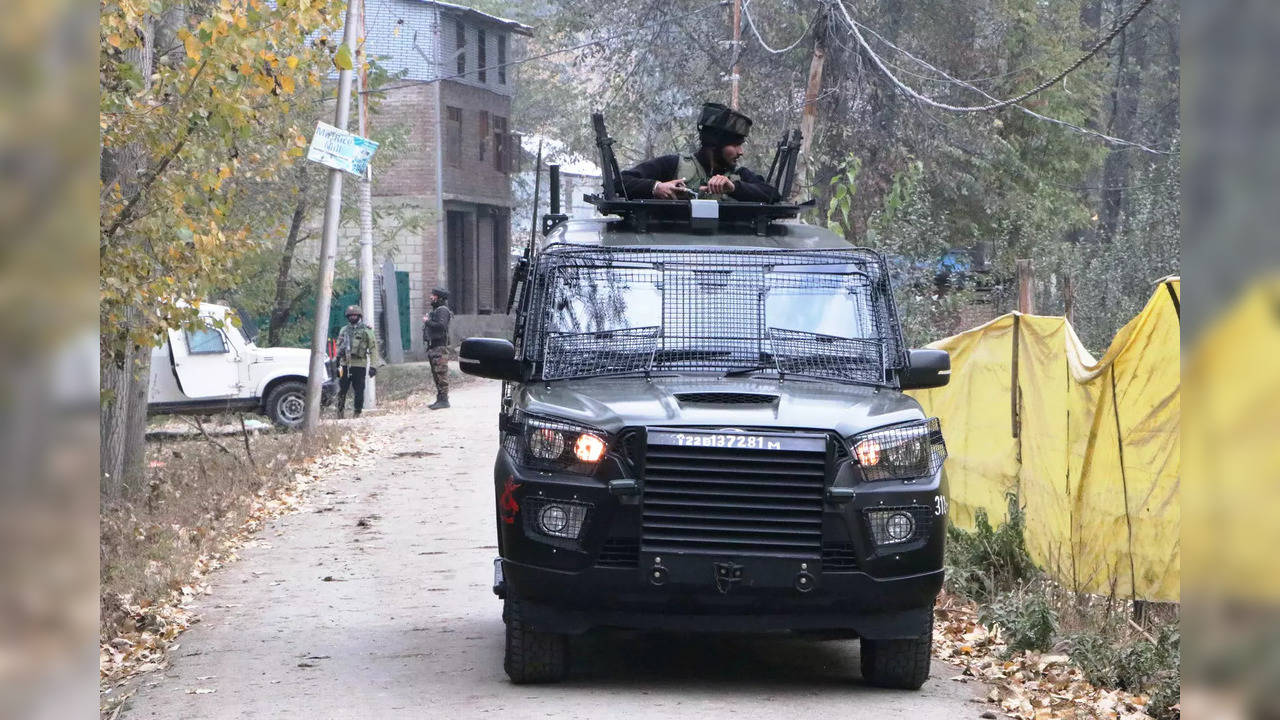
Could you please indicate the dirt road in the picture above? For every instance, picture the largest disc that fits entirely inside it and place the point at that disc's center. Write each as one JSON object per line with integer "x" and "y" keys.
{"x": 375, "y": 602}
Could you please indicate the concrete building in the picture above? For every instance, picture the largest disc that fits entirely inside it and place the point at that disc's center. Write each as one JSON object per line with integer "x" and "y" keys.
{"x": 454, "y": 99}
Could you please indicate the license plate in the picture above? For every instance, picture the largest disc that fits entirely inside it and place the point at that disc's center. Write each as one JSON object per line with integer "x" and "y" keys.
{"x": 727, "y": 573}
{"x": 738, "y": 440}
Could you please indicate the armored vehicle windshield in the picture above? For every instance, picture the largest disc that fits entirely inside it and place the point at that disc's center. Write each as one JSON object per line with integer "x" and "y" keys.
{"x": 730, "y": 311}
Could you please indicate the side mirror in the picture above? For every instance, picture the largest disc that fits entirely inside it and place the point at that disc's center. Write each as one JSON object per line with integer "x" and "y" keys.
{"x": 925, "y": 369}
{"x": 490, "y": 358}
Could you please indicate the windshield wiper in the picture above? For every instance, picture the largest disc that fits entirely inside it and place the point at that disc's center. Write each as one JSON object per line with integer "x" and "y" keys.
{"x": 739, "y": 372}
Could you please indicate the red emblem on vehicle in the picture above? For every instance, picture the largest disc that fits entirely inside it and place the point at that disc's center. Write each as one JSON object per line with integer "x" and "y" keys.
{"x": 507, "y": 505}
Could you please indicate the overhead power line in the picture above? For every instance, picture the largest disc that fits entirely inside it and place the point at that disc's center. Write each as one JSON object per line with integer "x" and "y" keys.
{"x": 854, "y": 26}
{"x": 746, "y": 10}
{"x": 1071, "y": 126}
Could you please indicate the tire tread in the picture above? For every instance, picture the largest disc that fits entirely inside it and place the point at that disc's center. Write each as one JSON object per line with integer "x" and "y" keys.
{"x": 532, "y": 656}
{"x": 899, "y": 664}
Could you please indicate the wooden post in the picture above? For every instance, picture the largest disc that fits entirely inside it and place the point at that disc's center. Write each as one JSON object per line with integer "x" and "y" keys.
{"x": 1069, "y": 299}
{"x": 1026, "y": 287}
{"x": 810, "y": 113}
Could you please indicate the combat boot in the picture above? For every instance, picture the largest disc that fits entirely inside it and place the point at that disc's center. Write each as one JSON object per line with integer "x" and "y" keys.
{"x": 442, "y": 402}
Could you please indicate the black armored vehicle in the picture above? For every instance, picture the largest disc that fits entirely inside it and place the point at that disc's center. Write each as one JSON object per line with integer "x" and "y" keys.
{"x": 703, "y": 429}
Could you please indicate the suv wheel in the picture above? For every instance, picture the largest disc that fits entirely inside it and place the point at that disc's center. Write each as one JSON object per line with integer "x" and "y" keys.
{"x": 901, "y": 664}
{"x": 532, "y": 656}
{"x": 286, "y": 404}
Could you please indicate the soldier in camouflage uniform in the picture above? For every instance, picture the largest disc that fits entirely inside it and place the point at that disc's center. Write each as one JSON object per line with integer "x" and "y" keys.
{"x": 712, "y": 171}
{"x": 357, "y": 357}
{"x": 435, "y": 333}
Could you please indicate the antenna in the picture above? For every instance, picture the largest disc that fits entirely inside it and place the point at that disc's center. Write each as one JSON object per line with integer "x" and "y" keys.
{"x": 537, "y": 191}
{"x": 522, "y": 268}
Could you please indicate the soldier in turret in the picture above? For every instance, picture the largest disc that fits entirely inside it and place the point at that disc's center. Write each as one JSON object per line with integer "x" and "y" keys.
{"x": 713, "y": 171}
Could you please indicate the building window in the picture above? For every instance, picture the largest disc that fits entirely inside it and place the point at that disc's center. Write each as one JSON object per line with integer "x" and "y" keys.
{"x": 483, "y": 117}
{"x": 453, "y": 136}
{"x": 502, "y": 59}
{"x": 460, "y": 42}
{"x": 500, "y": 141}
{"x": 480, "y": 55}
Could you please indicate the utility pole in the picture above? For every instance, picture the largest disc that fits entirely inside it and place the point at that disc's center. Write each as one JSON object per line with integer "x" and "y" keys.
{"x": 737, "y": 52}
{"x": 329, "y": 240}
{"x": 810, "y": 113}
{"x": 366, "y": 213}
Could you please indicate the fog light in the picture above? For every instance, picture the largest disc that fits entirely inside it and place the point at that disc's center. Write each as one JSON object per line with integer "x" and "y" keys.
{"x": 554, "y": 519}
{"x": 589, "y": 448}
{"x": 900, "y": 526}
{"x": 892, "y": 526}
{"x": 560, "y": 519}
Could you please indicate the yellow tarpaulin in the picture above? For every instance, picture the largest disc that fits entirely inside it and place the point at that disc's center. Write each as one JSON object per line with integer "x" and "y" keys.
{"x": 1091, "y": 448}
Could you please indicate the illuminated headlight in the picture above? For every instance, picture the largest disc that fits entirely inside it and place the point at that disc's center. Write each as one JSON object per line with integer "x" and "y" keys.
{"x": 557, "y": 522}
{"x": 898, "y": 525}
{"x": 902, "y": 452}
{"x": 555, "y": 444}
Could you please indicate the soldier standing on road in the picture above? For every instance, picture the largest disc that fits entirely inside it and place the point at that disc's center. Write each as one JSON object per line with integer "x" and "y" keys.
{"x": 357, "y": 355}
{"x": 435, "y": 333}
{"x": 713, "y": 171}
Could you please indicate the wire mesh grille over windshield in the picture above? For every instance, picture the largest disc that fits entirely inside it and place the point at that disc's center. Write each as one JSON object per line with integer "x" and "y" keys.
{"x": 606, "y": 311}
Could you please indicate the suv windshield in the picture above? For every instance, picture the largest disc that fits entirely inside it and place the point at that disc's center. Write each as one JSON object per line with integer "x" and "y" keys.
{"x": 821, "y": 313}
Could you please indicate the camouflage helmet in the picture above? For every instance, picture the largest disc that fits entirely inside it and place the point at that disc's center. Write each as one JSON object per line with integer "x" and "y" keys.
{"x": 354, "y": 310}
{"x": 719, "y": 125}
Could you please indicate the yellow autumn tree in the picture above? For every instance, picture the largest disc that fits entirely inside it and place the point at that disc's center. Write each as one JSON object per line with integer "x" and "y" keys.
{"x": 196, "y": 105}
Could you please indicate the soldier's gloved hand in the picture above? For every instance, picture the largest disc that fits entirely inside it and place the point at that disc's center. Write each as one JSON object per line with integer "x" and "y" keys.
{"x": 670, "y": 189}
{"x": 720, "y": 184}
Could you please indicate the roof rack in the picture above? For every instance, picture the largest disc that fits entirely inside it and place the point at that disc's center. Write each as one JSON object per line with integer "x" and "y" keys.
{"x": 706, "y": 215}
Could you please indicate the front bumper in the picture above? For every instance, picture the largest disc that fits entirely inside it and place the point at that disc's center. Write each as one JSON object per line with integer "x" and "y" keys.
{"x": 847, "y": 603}
{"x": 863, "y": 590}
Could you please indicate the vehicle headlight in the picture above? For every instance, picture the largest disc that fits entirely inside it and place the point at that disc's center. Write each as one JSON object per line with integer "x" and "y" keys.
{"x": 901, "y": 452}
{"x": 555, "y": 444}
{"x": 545, "y": 443}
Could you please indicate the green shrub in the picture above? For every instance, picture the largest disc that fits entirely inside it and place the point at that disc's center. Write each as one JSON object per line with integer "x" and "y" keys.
{"x": 989, "y": 561}
{"x": 1135, "y": 666}
{"x": 1026, "y": 620}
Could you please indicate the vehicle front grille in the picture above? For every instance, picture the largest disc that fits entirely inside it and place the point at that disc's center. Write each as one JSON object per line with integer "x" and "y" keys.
{"x": 723, "y": 501}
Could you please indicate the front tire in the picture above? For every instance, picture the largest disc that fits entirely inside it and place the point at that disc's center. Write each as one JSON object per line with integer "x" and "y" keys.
{"x": 899, "y": 664}
{"x": 286, "y": 404}
{"x": 532, "y": 656}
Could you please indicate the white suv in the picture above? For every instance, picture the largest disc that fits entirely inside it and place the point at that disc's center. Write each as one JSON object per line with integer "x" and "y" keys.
{"x": 217, "y": 368}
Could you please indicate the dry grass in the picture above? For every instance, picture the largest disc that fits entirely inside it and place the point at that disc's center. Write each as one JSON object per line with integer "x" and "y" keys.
{"x": 403, "y": 381}
{"x": 195, "y": 494}
{"x": 1113, "y": 642}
